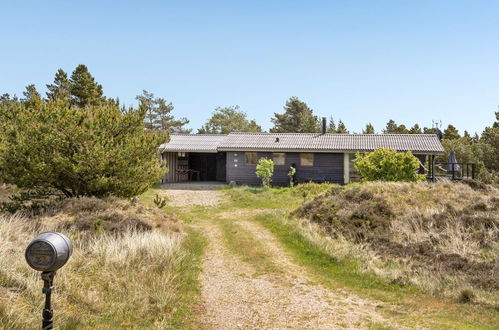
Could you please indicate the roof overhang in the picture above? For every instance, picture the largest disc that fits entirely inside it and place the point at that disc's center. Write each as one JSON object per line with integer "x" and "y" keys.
{"x": 210, "y": 151}
{"x": 417, "y": 152}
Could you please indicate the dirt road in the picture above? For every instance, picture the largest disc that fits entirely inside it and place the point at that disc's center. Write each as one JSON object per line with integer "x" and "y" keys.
{"x": 236, "y": 296}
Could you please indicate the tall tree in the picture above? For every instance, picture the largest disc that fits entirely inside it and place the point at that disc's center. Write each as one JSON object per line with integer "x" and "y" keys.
{"x": 451, "y": 133}
{"x": 297, "y": 118}
{"x": 147, "y": 103}
{"x": 332, "y": 126}
{"x": 369, "y": 129}
{"x": 342, "y": 129}
{"x": 166, "y": 121}
{"x": 84, "y": 89}
{"x": 31, "y": 96}
{"x": 490, "y": 146}
{"x": 4, "y": 98}
{"x": 432, "y": 130}
{"x": 393, "y": 128}
{"x": 229, "y": 119}
{"x": 158, "y": 114}
{"x": 415, "y": 129}
{"x": 61, "y": 88}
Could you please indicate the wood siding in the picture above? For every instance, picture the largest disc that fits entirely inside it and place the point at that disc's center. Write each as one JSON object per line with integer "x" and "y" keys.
{"x": 327, "y": 167}
{"x": 170, "y": 159}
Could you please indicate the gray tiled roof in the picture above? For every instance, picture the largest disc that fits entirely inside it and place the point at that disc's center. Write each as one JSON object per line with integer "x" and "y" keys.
{"x": 331, "y": 142}
{"x": 418, "y": 143}
{"x": 193, "y": 142}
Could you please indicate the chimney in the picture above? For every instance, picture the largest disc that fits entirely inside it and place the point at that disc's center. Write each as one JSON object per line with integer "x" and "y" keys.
{"x": 324, "y": 125}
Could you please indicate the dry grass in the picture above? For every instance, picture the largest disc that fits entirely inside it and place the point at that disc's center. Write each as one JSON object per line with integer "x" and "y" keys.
{"x": 442, "y": 237}
{"x": 123, "y": 272}
{"x": 5, "y": 192}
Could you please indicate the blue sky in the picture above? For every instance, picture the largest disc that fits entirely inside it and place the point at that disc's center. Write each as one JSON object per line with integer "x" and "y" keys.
{"x": 361, "y": 61}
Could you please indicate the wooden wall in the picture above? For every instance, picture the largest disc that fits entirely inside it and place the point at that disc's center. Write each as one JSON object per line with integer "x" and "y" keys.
{"x": 173, "y": 163}
{"x": 327, "y": 167}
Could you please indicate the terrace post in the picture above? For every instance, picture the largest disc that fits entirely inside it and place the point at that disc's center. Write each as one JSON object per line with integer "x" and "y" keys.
{"x": 433, "y": 168}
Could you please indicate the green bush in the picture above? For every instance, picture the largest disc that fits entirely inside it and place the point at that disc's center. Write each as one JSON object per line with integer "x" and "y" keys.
{"x": 265, "y": 171}
{"x": 91, "y": 151}
{"x": 388, "y": 165}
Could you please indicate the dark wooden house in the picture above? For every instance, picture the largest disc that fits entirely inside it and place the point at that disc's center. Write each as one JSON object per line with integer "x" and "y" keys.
{"x": 316, "y": 157}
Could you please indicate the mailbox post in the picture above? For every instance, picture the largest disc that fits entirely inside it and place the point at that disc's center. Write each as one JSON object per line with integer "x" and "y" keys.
{"x": 47, "y": 253}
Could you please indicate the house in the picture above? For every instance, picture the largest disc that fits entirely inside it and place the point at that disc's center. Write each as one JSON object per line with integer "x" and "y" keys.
{"x": 316, "y": 157}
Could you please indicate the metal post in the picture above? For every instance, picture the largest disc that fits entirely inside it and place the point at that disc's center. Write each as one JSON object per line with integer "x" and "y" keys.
{"x": 428, "y": 175}
{"x": 433, "y": 168}
{"x": 453, "y": 173}
{"x": 48, "y": 283}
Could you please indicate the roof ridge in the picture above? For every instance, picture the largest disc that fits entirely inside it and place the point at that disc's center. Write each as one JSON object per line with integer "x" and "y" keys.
{"x": 197, "y": 134}
{"x": 339, "y": 134}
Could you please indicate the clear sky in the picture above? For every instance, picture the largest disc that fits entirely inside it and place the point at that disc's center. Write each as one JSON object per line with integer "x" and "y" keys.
{"x": 361, "y": 61}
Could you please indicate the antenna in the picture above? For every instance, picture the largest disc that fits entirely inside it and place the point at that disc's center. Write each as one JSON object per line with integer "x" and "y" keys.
{"x": 436, "y": 124}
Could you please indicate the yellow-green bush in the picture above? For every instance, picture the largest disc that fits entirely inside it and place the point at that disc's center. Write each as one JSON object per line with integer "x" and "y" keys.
{"x": 388, "y": 165}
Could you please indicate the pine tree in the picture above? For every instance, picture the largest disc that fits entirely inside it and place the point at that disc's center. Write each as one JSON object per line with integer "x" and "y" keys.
{"x": 146, "y": 102}
{"x": 451, "y": 133}
{"x": 369, "y": 129}
{"x": 158, "y": 114}
{"x": 393, "y": 128}
{"x": 229, "y": 119}
{"x": 31, "y": 97}
{"x": 297, "y": 118}
{"x": 342, "y": 129}
{"x": 61, "y": 88}
{"x": 167, "y": 122}
{"x": 84, "y": 89}
{"x": 332, "y": 126}
{"x": 432, "y": 130}
{"x": 415, "y": 129}
{"x": 104, "y": 151}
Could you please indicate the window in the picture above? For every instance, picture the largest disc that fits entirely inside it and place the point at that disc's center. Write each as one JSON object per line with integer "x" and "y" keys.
{"x": 279, "y": 158}
{"x": 251, "y": 158}
{"x": 307, "y": 159}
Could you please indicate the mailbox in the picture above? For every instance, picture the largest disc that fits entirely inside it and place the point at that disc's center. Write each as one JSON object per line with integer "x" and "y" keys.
{"x": 48, "y": 252}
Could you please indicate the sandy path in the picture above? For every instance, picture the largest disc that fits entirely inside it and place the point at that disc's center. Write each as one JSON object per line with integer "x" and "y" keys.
{"x": 235, "y": 296}
{"x": 203, "y": 195}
